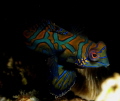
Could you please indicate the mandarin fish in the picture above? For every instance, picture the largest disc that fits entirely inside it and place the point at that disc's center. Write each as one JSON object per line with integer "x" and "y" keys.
{"x": 66, "y": 52}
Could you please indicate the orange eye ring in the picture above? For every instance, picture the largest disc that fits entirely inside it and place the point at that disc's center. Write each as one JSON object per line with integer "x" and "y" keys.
{"x": 93, "y": 55}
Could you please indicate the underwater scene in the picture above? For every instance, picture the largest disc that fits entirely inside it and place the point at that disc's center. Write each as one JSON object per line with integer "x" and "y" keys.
{"x": 55, "y": 51}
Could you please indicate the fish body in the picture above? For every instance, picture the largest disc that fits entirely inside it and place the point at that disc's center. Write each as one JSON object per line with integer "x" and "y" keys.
{"x": 60, "y": 44}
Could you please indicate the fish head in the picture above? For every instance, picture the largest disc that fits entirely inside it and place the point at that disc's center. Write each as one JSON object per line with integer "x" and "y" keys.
{"x": 95, "y": 57}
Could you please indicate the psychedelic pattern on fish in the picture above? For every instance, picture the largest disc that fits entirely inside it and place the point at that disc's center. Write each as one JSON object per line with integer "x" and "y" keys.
{"x": 63, "y": 46}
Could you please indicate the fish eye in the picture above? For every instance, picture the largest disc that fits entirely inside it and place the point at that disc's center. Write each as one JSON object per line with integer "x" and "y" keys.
{"x": 93, "y": 56}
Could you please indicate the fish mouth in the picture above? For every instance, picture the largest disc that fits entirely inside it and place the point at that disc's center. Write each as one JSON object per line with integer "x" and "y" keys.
{"x": 107, "y": 65}
{"x": 83, "y": 63}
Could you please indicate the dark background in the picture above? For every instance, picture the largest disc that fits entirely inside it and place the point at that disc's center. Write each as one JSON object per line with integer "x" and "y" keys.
{"x": 99, "y": 21}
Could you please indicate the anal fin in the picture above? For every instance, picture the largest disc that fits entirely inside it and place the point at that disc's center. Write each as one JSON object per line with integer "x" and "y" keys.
{"x": 61, "y": 79}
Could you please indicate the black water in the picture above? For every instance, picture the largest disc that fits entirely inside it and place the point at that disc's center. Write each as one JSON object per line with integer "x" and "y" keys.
{"x": 98, "y": 21}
